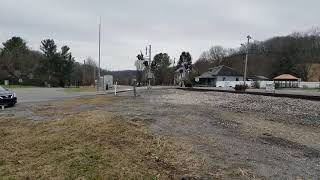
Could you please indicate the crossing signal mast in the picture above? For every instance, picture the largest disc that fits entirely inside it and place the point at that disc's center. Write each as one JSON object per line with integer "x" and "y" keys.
{"x": 147, "y": 63}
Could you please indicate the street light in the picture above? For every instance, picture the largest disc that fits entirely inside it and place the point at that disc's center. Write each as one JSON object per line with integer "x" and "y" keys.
{"x": 246, "y": 63}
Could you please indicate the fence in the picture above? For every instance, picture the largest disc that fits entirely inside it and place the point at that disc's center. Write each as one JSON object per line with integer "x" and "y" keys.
{"x": 310, "y": 85}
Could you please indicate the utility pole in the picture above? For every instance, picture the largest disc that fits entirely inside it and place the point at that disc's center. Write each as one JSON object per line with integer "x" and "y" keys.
{"x": 94, "y": 73}
{"x": 149, "y": 71}
{"x": 98, "y": 79}
{"x": 84, "y": 72}
{"x": 174, "y": 72}
{"x": 246, "y": 63}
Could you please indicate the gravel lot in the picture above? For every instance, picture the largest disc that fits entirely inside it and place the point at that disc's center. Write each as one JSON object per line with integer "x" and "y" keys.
{"x": 284, "y": 109}
{"x": 255, "y": 136}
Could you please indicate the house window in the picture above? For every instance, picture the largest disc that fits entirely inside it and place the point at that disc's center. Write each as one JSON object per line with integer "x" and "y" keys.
{"x": 237, "y": 79}
{"x": 224, "y": 78}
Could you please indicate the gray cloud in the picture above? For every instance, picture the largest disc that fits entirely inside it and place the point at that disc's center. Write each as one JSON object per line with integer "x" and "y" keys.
{"x": 169, "y": 25}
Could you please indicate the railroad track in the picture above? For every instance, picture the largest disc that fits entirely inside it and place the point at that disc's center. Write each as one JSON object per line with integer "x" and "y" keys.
{"x": 287, "y": 95}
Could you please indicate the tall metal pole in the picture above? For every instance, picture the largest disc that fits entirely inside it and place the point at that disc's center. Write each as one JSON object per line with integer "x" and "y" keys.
{"x": 94, "y": 73}
{"x": 246, "y": 64}
{"x": 174, "y": 74}
{"x": 98, "y": 80}
{"x": 149, "y": 72}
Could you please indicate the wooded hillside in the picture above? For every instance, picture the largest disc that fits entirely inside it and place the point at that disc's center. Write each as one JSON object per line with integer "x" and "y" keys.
{"x": 297, "y": 54}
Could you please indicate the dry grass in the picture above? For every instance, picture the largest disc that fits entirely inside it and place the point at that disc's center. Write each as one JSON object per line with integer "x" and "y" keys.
{"x": 56, "y": 110}
{"x": 89, "y": 145}
{"x": 96, "y": 100}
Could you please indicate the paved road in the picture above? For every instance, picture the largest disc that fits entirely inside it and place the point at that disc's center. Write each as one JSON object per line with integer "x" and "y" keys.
{"x": 26, "y": 95}
{"x": 46, "y": 94}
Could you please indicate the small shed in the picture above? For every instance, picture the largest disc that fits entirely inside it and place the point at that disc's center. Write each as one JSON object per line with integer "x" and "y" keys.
{"x": 286, "y": 81}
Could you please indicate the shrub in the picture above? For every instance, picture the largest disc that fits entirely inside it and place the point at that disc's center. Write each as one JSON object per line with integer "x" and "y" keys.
{"x": 188, "y": 83}
{"x": 241, "y": 87}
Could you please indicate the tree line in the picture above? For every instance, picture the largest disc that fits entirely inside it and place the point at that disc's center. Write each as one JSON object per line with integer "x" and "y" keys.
{"x": 297, "y": 54}
{"x": 51, "y": 66}
{"x": 163, "y": 68}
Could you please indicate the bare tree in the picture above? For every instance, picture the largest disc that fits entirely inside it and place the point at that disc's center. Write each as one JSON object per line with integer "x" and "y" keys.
{"x": 89, "y": 70}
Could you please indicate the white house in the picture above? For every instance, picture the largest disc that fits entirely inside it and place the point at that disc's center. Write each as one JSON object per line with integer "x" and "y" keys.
{"x": 219, "y": 76}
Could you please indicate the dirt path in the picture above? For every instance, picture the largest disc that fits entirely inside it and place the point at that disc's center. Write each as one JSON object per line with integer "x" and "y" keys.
{"x": 237, "y": 135}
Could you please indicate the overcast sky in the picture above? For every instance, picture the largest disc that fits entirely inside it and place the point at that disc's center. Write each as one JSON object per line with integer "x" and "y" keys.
{"x": 171, "y": 26}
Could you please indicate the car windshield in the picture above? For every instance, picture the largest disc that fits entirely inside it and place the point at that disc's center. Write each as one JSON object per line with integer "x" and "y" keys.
{"x": 2, "y": 89}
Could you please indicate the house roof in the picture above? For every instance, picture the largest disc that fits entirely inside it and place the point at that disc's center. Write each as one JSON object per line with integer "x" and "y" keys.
{"x": 255, "y": 77}
{"x": 286, "y": 77}
{"x": 220, "y": 71}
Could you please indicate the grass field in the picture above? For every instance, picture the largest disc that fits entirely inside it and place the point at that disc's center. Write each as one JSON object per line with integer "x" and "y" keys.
{"x": 16, "y": 86}
{"x": 91, "y": 144}
{"x": 312, "y": 90}
{"x": 80, "y": 89}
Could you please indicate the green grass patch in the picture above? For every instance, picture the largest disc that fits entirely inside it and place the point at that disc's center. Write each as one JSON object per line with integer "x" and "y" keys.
{"x": 16, "y": 86}
{"x": 312, "y": 90}
{"x": 82, "y": 89}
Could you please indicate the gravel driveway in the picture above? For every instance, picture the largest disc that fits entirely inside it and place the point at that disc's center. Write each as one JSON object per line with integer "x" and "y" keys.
{"x": 258, "y": 136}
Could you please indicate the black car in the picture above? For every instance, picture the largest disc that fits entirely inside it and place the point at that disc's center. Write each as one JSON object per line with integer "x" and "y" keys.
{"x": 7, "y": 98}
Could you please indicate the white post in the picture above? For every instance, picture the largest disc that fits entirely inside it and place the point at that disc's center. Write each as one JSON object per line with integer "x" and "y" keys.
{"x": 149, "y": 73}
{"x": 115, "y": 88}
{"x": 2, "y": 108}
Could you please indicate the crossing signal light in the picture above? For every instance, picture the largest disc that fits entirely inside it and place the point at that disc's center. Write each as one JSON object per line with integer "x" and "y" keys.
{"x": 146, "y": 63}
{"x": 140, "y": 57}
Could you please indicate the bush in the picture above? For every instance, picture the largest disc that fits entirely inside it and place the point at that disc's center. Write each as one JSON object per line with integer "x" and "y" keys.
{"x": 188, "y": 83}
{"x": 241, "y": 87}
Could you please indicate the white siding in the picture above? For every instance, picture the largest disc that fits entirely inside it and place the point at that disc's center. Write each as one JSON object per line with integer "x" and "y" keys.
{"x": 263, "y": 84}
{"x": 309, "y": 85}
{"x": 228, "y": 84}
